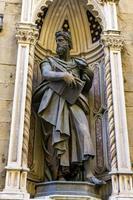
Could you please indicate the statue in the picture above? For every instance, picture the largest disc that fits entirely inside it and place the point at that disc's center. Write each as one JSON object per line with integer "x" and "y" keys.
{"x": 62, "y": 107}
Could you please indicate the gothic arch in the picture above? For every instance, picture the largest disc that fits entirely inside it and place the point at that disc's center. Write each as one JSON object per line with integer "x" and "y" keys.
{"x": 92, "y": 5}
{"x": 79, "y": 29}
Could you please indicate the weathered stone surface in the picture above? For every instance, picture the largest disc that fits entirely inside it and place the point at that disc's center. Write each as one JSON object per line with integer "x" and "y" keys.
{"x": 130, "y": 129}
{"x": 127, "y": 59}
{"x": 4, "y": 130}
{"x": 2, "y": 6}
{"x": 125, "y": 26}
{"x": 6, "y": 91}
{"x": 128, "y": 81}
{"x": 129, "y": 99}
{"x": 126, "y": 6}
{"x": 131, "y": 154}
{"x": 8, "y": 42}
{"x": 13, "y": 1}
{"x": 5, "y": 111}
{"x": 3, "y": 160}
{"x": 3, "y": 152}
{"x": 10, "y": 5}
{"x": 7, "y": 73}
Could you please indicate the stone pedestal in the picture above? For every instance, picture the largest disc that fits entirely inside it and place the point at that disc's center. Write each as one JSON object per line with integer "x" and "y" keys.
{"x": 61, "y": 190}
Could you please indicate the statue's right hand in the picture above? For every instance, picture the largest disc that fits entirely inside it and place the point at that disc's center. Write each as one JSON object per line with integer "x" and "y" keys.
{"x": 69, "y": 79}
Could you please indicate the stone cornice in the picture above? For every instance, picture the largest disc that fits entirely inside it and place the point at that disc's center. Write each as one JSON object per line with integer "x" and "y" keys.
{"x": 26, "y": 33}
{"x": 113, "y": 39}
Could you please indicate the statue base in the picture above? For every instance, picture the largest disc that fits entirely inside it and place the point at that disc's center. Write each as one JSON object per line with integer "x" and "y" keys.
{"x": 66, "y": 190}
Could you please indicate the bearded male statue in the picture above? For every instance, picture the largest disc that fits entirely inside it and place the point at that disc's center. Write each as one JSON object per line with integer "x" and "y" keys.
{"x": 61, "y": 105}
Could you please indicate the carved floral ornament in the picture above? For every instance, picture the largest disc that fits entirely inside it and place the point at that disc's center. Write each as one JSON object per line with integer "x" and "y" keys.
{"x": 115, "y": 41}
{"x": 27, "y": 33}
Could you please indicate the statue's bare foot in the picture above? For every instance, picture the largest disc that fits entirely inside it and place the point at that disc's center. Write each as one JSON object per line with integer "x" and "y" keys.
{"x": 95, "y": 181}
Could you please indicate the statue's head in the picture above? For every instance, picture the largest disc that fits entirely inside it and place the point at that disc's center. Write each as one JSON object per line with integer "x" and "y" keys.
{"x": 63, "y": 41}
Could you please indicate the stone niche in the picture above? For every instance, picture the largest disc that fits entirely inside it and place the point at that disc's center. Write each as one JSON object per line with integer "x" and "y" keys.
{"x": 85, "y": 29}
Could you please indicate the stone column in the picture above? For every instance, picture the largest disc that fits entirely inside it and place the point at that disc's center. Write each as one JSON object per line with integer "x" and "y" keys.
{"x": 121, "y": 172}
{"x": 16, "y": 175}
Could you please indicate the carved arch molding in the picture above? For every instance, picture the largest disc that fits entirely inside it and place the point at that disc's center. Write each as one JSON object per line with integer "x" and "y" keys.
{"x": 86, "y": 22}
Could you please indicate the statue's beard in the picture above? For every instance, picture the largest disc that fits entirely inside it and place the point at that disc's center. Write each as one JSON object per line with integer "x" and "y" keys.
{"x": 61, "y": 50}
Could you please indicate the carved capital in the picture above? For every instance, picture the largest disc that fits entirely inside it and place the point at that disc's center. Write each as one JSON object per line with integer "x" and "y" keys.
{"x": 27, "y": 33}
{"x": 106, "y": 1}
{"x": 113, "y": 40}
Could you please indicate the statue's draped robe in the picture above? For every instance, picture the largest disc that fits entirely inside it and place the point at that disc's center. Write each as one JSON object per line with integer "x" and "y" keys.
{"x": 65, "y": 124}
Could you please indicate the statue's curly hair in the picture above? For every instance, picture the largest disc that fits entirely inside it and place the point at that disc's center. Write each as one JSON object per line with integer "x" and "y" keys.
{"x": 66, "y": 35}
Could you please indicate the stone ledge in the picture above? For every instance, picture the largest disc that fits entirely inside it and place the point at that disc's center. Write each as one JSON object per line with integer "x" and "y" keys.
{"x": 66, "y": 197}
{"x": 61, "y": 190}
{"x": 122, "y": 197}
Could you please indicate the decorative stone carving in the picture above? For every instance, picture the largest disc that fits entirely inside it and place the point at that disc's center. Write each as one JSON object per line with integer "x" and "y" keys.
{"x": 106, "y": 1}
{"x": 28, "y": 108}
{"x": 92, "y": 5}
{"x": 113, "y": 39}
{"x": 99, "y": 122}
{"x": 97, "y": 11}
{"x": 26, "y": 33}
{"x": 95, "y": 27}
{"x": 109, "y": 94}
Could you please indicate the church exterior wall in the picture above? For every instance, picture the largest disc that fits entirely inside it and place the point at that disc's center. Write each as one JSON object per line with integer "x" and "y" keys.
{"x": 12, "y": 10}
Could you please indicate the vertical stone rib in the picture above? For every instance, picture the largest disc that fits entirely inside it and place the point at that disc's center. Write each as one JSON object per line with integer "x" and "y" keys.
{"x": 27, "y": 34}
{"x": 113, "y": 152}
{"x": 28, "y": 108}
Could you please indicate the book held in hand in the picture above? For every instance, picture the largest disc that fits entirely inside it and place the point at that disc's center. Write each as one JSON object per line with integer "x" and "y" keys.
{"x": 70, "y": 94}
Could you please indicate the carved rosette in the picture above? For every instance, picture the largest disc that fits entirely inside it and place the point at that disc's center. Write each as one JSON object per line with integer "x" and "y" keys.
{"x": 26, "y": 33}
{"x": 113, "y": 40}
